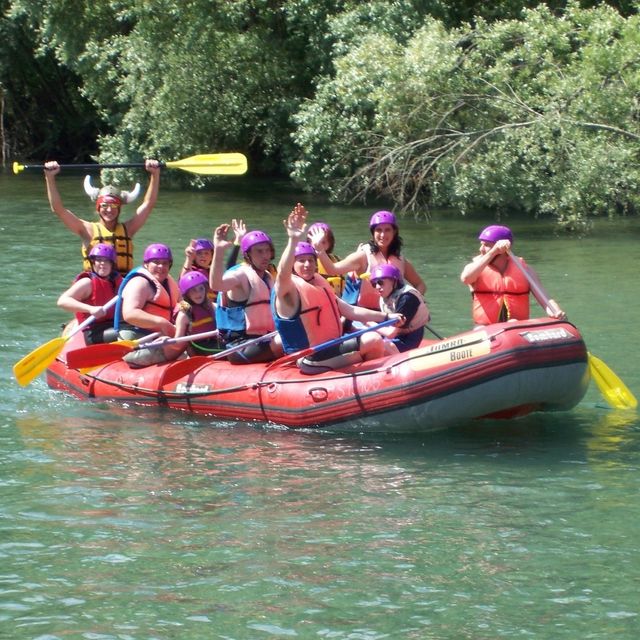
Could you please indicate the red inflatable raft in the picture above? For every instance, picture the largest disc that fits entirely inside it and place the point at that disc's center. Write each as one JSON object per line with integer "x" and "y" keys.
{"x": 501, "y": 371}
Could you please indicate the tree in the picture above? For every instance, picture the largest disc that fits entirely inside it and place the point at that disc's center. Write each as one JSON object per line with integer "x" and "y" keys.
{"x": 538, "y": 114}
{"x": 43, "y": 114}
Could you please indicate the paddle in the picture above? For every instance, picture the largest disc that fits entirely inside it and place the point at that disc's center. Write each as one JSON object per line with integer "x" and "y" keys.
{"x": 613, "y": 390}
{"x": 123, "y": 343}
{"x": 181, "y": 368}
{"x": 97, "y": 354}
{"x": 34, "y": 363}
{"x": 210, "y": 164}
{"x": 332, "y": 343}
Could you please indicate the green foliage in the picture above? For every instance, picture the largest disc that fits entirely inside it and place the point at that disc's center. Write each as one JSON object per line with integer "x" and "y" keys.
{"x": 504, "y": 105}
{"x": 538, "y": 114}
{"x": 172, "y": 77}
{"x": 42, "y": 112}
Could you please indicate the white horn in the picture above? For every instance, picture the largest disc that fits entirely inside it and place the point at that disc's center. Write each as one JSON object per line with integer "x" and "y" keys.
{"x": 89, "y": 189}
{"x": 130, "y": 196}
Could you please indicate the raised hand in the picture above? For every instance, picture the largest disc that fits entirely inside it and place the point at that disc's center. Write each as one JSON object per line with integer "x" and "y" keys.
{"x": 220, "y": 234}
{"x": 239, "y": 230}
{"x": 295, "y": 224}
{"x": 317, "y": 237}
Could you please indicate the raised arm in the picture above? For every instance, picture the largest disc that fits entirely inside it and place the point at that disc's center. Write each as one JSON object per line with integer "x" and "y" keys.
{"x": 78, "y": 226}
{"x": 217, "y": 269}
{"x": 287, "y": 297}
{"x": 150, "y": 198}
{"x": 356, "y": 261}
{"x": 220, "y": 279}
{"x": 189, "y": 257}
{"x": 239, "y": 232}
{"x": 471, "y": 272}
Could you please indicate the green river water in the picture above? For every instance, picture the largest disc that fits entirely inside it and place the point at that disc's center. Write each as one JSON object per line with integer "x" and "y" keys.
{"x": 121, "y": 522}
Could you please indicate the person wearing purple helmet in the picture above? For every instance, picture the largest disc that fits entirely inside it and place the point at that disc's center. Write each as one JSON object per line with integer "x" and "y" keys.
{"x": 198, "y": 256}
{"x": 242, "y": 310}
{"x": 321, "y": 235}
{"x": 396, "y": 296}
{"x": 385, "y": 247}
{"x": 196, "y": 313}
{"x": 307, "y": 311}
{"x": 499, "y": 289}
{"x": 147, "y": 299}
{"x": 91, "y": 290}
{"x": 239, "y": 231}
{"x": 109, "y": 200}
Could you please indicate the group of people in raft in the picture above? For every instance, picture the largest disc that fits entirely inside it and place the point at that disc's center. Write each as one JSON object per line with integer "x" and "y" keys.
{"x": 310, "y": 298}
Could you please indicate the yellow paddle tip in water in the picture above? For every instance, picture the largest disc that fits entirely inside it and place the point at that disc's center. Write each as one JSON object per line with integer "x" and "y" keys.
{"x": 614, "y": 391}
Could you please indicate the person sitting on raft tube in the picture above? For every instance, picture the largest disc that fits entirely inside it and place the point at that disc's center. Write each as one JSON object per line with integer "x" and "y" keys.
{"x": 321, "y": 235}
{"x": 195, "y": 313}
{"x": 499, "y": 290}
{"x": 307, "y": 311}
{"x": 384, "y": 247}
{"x": 91, "y": 290}
{"x": 242, "y": 309}
{"x": 147, "y": 298}
{"x": 109, "y": 201}
{"x": 398, "y": 297}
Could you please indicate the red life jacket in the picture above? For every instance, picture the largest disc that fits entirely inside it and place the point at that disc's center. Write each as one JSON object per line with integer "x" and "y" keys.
{"x": 102, "y": 290}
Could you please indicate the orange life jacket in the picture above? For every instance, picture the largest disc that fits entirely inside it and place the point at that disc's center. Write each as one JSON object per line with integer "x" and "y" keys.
{"x": 500, "y": 296}
{"x": 318, "y": 319}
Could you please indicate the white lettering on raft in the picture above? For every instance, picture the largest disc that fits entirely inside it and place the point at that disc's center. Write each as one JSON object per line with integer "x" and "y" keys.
{"x": 447, "y": 345}
{"x": 438, "y": 357}
{"x": 546, "y": 334}
{"x": 191, "y": 388}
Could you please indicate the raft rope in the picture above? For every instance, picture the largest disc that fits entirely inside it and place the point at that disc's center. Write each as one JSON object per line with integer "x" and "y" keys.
{"x": 213, "y": 392}
{"x": 159, "y": 393}
{"x": 260, "y": 384}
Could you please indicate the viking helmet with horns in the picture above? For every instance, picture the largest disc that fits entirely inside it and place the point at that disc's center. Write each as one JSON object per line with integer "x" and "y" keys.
{"x": 110, "y": 193}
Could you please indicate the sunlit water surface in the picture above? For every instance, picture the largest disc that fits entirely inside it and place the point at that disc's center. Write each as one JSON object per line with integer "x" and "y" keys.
{"x": 134, "y": 523}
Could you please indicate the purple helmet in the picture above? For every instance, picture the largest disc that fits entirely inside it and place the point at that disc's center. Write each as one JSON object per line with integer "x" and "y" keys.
{"x": 157, "y": 251}
{"x": 203, "y": 244}
{"x": 192, "y": 279}
{"x": 253, "y": 238}
{"x": 305, "y": 249}
{"x": 382, "y": 217}
{"x": 495, "y": 232}
{"x": 103, "y": 250}
{"x": 382, "y": 271}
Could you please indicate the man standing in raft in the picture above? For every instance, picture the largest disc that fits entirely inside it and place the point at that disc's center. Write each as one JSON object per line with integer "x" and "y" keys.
{"x": 109, "y": 201}
{"x": 500, "y": 291}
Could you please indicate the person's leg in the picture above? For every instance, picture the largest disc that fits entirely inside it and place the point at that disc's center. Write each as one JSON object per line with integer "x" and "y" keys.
{"x": 371, "y": 345}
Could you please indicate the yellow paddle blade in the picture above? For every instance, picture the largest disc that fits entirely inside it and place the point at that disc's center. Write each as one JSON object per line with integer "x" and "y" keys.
{"x": 212, "y": 164}
{"x": 613, "y": 390}
{"x": 126, "y": 343}
{"x": 34, "y": 363}
{"x": 17, "y": 168}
